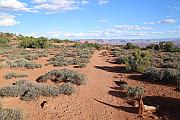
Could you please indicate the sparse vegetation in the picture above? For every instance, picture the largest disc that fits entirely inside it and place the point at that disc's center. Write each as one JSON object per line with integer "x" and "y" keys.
{"x": 14, "y": 75}
{"x": 130, "y": 46}
{"x": 30, "y": 91}
{"x": 64, "y": 75}
{"x": 11, "y": 114}
{"x": 23, "y": 64}
{"x": 164, "y": 75}
{"x": 135, "y": 92}
{"x": 31, "y": 42}
{"x": 87, "y": 45}
{"x": 4, "y": 41}
{"x": 77, "y": 57}
{"x": 164, "y": 46}
{"x": 139, "y": 61}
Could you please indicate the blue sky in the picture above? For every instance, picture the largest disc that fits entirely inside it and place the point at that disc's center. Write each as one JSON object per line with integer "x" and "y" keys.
{"x": 91, "y": 19}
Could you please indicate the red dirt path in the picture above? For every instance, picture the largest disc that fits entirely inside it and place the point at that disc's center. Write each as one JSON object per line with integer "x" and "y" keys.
{"x": 99, "y": 99}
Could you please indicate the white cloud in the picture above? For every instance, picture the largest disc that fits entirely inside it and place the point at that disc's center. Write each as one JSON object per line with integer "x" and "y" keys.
{"x": 131, "y": 27}
{"x": 102, "y": 2}
{"x": 46, "y": 6}
{"x": 149, "y": 23}
{"x": 92, "y": 34}
{"x": 14, "y": 5}
{"x": 56, "y": 5}
{"x": 164, "y": 21}
{"x": 39, "y": 1}
{"x": 109, "y": 33}
{"x": 7, "y": 20}
{"x": 85, "y": 2}
{"x": 168, "y": 21}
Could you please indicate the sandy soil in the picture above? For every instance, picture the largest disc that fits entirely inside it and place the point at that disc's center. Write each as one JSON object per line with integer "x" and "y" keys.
{"x": 99, "y": 99}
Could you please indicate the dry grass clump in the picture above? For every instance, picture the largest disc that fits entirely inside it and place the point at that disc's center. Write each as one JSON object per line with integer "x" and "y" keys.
{"x": 23, "y": 64}
{"x": 14, "y": 75}
{"x": 29, "y": 91}
{"x": 64, "y": 75}
{"x": 72, "y": 57}
{"x": 164, "y": 75}
{"x": 11, "y": 114}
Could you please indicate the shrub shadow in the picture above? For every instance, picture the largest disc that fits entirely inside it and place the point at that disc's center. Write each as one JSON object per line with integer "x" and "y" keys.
{"x": 123, "y": 108}
{"x": 168, "y": 107}
{"x": 115, "y": 69}
{"x": 118, "y": 94}
{"x": 140, "y": 77}
{"x": 118, "y": 83}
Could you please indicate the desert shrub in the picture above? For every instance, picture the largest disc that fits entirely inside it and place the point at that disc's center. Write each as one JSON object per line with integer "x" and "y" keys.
{"x": 81, "y": 65}
{"x": 14, "y": 56}
{"x": 71, "y": 56}
{"x": 29, "y": 91}
{"x": 21, "y": 82}
{"x": 12, "y": 91}
{"x": 176, "y": 49}
{"x": 87, "y": 45}
{"x": 23, "y": 64}
{"x": 42, "y": 53}
{"x": 50, "y": 91}
{"x": 153, "y": 74}
{"x": 31, "y": 57}
{"x": 139, "y": 61}
{"x": 4, "y": 41}
{"x": 135, "y": 92}
{"x": 58, "y": 61}
{"x": 2, "y": 65}
{"x": 130, "y": 46}
{"x": 64, "y": 75}
{"x": 123, "y": 86}
{"x": 164, "y": 75}
{"x": 171, "y": 76}
{"x": 66, "y": 89}
{"x": 1, "y": 60}
{"x": 14, "y": 75}
{"x": 167, "y": 64}
{"x": 31, "y": 94}
{"x": 55, "y": 40}
{"x": 120, "y": 60}
{"x": 31, "y": 42}
{"x": 11, "y": 114}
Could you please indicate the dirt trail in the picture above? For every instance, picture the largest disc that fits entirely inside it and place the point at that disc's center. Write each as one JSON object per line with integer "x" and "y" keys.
{"x": 93, "y": 101}
{"x": 99, "y": 99}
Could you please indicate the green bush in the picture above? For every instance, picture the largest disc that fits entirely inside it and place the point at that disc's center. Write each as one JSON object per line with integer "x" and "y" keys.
{"x": 50, "y": 91}
{"x": 4, "y": 41}
{"x": 31, "y": 57}
{"x": 29, "y": 91}
{"x": 12, "y": 91}
{"x": 11, "y": 114}
{"x": 120, "y": 60}
{"x": 87, "y": 45}
{"x": 23, "y": 64}
{"x": 64, "y": 75}
{"x": 135, "y": 92}
{"x": 66, "y": 89}
{"x": 14, "y": 75}
{"x": 31, "y": 42}
{"x": 139, "y": 61}
{"x": 123, "y": 86}
{"x": 81, "y": 65}
{"x": 164, "y": 46}
{"x": 164, "y": 75}
{"x": 130, "y": 46}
